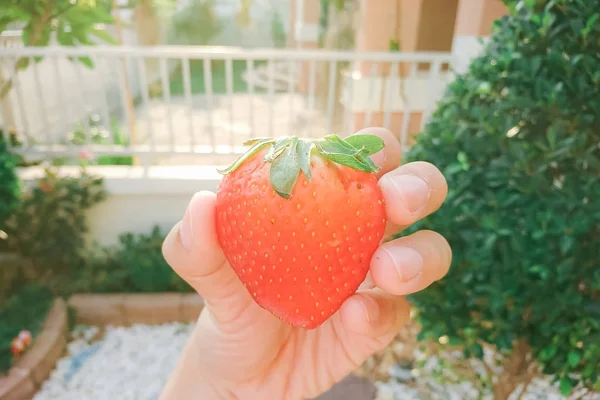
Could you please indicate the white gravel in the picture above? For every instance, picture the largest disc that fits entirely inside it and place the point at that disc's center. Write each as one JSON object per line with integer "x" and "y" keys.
{"x": 131, "y": 363}
{"x": 134, "y": 363}
{"x": 407, "y": 385}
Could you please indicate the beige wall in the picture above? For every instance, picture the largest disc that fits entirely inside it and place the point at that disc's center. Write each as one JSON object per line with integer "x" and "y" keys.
{"x": 419, "y": 25}
{"x": 136, "y": 204}
{"x": 474, "y": 21}
{"x": 475, "y": 17}
{"x": 436, "y": 25}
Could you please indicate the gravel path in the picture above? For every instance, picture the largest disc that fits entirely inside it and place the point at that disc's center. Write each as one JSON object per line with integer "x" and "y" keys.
{"x": 119, "y": 366}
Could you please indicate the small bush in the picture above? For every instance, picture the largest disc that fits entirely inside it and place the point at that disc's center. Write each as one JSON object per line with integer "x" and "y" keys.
{"x": 136, "y": 264}
{"x": 517, "y": 138}
{"x": 48, "y": 227}
{"x": 195, "y": 24}
{"x": 142, "y": 256}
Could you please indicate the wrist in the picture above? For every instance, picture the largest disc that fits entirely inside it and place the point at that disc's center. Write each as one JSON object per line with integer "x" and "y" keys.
{"x": 190, "y": 379}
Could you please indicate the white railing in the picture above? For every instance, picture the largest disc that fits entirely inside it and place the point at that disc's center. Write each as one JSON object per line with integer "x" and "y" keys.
{"x": 11, "y": 38}
{"x": 172, "y": 104}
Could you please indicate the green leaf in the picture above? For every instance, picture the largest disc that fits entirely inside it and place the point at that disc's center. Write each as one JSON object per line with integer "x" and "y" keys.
{"x": 253, "y": 141}
{"x": 478, "y": 350}
{"x": 590, "y": 24}
{"x": 335, "y": 149}
{"x": 574, "y": 358}
{"x": 103, "y": 35}
{"x": 304, "y": 152}
{"x": 86, "y": 61}
{"x": 253, "y": 150}
{"x": 566, "y": 386}
{"x": 285, "y": 169}
{"x": 278, "y": 148}
{"x": 371, "y": 143}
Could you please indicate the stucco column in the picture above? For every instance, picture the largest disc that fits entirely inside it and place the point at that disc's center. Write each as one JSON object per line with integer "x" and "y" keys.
{"x": 304, "y": 33}
{"x": 418, "y": 25}
{"x": 474, "y": 20}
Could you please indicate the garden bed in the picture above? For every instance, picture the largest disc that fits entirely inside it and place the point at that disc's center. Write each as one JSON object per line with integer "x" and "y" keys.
{"x": 33, "y": 368}
{"x": 29, "y": 372}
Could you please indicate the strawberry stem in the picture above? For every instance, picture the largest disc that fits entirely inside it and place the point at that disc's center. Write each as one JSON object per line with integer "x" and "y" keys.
{"x": 290, "y": 155}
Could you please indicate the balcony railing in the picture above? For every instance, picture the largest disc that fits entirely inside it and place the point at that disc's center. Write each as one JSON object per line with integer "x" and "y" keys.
{"x": 179, "y": 105}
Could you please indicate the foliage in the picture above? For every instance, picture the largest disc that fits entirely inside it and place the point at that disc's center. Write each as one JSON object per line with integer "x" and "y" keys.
{"x": 278, "y": 34}
{"x": 136, "y": 264}
{"x": 47, "y": 229}
{"x": 327, "y": 19}
{"x": 517, "y": 140}
{"x": 9, "y": 188}
{"x": 53, "y": 254}
{"x": 195, "y": 24}
{"x": 72, "y": 22}
{"x": 26, "y": 309}
{"x": 218, "y": 77}
{"x": 96, "y": 133}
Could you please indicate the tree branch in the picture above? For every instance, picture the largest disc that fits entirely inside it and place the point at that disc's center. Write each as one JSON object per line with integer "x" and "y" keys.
{"x": 525, "y": 386}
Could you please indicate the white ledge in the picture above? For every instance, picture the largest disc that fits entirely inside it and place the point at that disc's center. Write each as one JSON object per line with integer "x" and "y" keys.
{"x": 124, "y": 180}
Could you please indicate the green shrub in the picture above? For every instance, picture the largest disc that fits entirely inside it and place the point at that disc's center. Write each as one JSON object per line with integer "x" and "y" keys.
{"x": 278, "y": 34}
{"x": 148, "y": 271}
{"x": 49, "y": 225}
{"x": 517, "y": 138}
{"x": 195, "y": 24}
{"x": 136, "y": 264}
{"x": 25, "y": 310}
{"x": 9, "y": 186}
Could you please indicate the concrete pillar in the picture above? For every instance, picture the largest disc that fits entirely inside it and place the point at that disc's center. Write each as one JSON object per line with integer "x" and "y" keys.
{"x": 304, "y": 33}
{"x": 474, "y": 21}
{"x": 418, "y": 25}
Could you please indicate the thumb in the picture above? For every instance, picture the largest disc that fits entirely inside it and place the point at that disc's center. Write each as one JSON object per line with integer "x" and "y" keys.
{"x": 192, "y": 249}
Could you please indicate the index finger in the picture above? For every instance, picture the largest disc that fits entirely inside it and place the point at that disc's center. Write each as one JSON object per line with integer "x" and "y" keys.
{"x": 389, "y": 158}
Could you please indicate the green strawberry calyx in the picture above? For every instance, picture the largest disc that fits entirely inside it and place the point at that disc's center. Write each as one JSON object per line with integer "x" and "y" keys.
{"x": 290, "y": 155}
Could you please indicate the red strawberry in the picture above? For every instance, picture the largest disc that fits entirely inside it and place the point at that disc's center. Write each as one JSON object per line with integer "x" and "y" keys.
{"x": 299, "y": 221}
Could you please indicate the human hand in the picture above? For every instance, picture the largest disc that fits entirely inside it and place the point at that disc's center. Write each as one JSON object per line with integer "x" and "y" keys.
{"x": 241, "y": 351}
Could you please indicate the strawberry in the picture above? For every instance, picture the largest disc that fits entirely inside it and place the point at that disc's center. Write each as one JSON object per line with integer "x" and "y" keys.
{"x": 299, "y": 221}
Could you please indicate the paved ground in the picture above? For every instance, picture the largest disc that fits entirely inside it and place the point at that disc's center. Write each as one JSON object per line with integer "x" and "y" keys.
{"x": 234, "y": 119}
{"x": 351, "y": 388}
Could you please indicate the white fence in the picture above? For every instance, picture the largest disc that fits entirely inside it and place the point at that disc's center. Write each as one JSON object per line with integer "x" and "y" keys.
{"x": 184, "y": 105}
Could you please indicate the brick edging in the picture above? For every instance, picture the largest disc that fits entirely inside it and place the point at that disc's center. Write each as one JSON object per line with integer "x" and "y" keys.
{"x": 33, "y": 368}
{"x": 29, "y": 372}
{"x": 125, "y": 309}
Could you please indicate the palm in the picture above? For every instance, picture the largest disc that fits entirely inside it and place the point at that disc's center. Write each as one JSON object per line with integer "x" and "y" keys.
{"x": 293, "y": 361}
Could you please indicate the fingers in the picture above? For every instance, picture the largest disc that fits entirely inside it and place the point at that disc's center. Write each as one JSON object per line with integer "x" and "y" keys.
{"x": 372, "y": 317}
{"x": 388, "y": 158}
{"x": 193, "y": 251}
{"x": 375, "y": 315}
{"x": 411, "y": 192}
{"x": 403, "y": 266}
{"x": 411, "y": 263}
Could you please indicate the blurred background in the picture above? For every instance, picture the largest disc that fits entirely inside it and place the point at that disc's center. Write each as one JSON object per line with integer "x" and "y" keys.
{"x": 113, "y": 113}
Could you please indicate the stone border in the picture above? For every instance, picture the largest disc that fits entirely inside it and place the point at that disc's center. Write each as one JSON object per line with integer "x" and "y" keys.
{"x": 132, "y": 308}
{"x": 29, "y": 372}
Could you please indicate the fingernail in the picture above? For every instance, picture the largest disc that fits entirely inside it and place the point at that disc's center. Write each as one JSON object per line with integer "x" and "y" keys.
{"x": 186, "y": 232}
{"x": 370, "y": 307}
{"x": 413, "y": 190}
{"x": 408, "y": 262}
